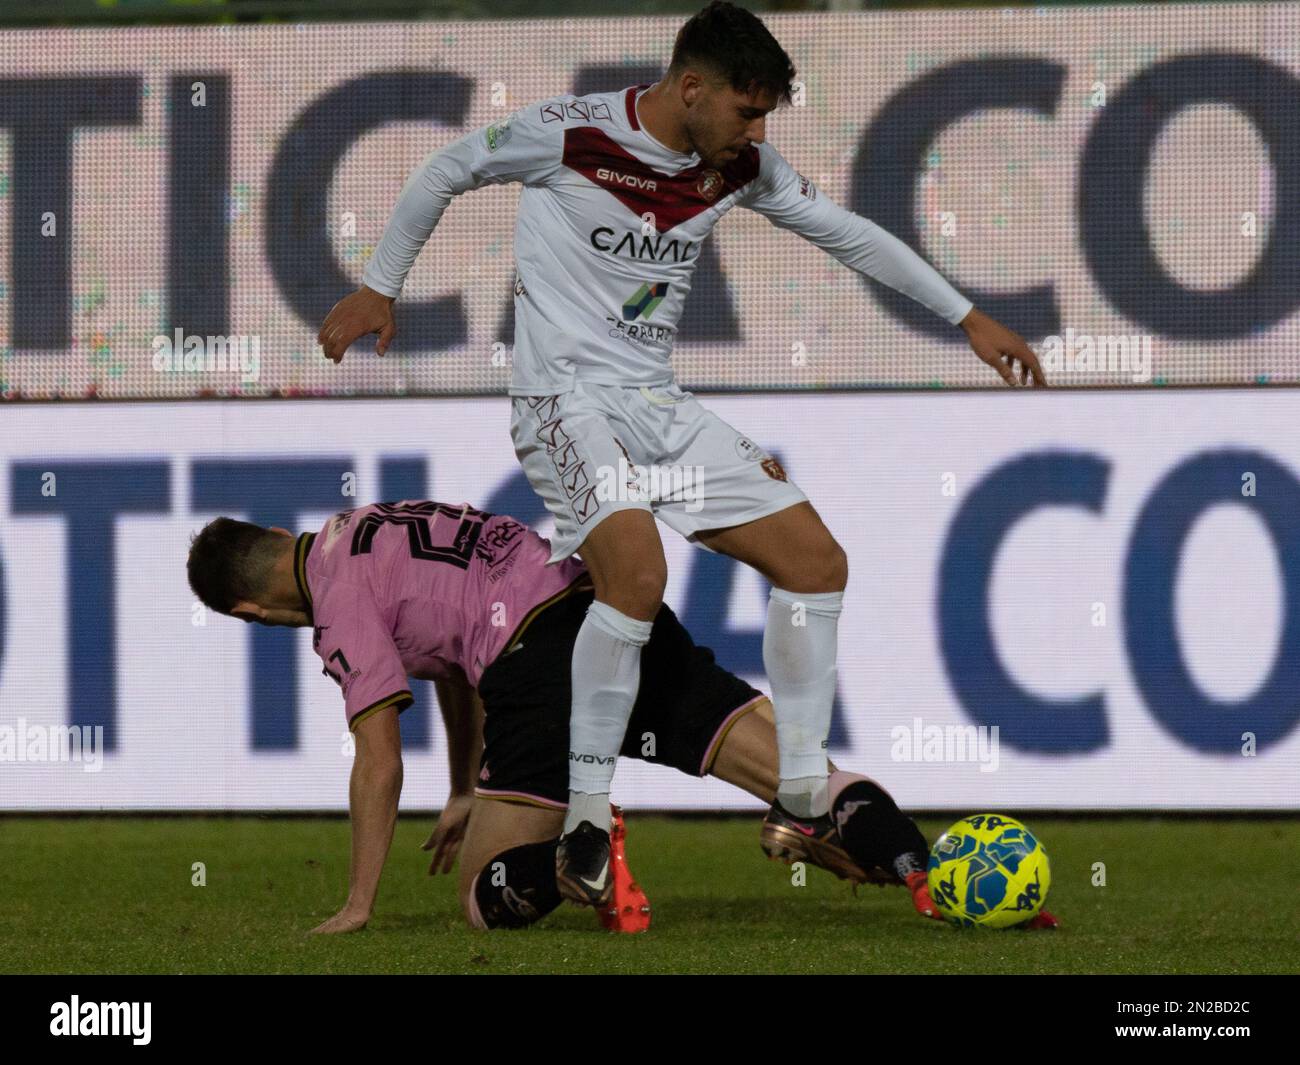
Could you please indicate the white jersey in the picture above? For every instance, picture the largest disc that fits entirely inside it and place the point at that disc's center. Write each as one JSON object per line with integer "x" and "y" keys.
{"x": 609, "y": 231}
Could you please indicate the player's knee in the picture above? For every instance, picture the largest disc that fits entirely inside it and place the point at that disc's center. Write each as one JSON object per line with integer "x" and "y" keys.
{"x": 647, "y": 585}
{"x": 821, "y": 566}
{"x": 514, "y": 889}
{"x": 636, "y": 590}
{"x": 833, "y": 567}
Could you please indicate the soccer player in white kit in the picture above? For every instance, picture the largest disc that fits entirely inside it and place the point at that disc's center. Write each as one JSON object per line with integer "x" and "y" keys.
{"x": 620, "y": 189}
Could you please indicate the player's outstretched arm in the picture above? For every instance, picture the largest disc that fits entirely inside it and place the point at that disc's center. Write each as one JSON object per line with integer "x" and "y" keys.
{"x": 793, "y": 202}
{"x": 375, "y": 787}
{"x": 522, "y": 147}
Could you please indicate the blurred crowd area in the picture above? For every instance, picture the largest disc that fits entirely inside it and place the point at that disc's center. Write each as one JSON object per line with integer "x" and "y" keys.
{"x": 117, "y": 12}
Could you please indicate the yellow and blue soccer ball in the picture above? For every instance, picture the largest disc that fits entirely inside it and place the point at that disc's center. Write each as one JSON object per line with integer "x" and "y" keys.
{"x": 988, "y": 870}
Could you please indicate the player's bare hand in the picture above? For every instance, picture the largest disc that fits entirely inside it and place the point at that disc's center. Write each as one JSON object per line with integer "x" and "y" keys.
{"x": 1002, "y": 349}
{"x": 346, "y": 920}
{"x": 356, "y": 315}
{"x": 448, "y": 834}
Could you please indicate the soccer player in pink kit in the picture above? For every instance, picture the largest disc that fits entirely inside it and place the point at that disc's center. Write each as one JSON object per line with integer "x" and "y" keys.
{"x": 466, "y": 598}
{"x": 620, "y": 190}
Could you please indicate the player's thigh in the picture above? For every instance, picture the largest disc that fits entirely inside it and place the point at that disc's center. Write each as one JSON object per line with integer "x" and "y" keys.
{"x": 792, "y": 548}
{"x": 625, "y": 558}
{"x": 496, "y": 826}
{"x": 726, "y": 482}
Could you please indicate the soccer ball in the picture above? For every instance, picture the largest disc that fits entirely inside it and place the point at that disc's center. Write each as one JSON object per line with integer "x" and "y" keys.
{"x": 988, "y": 870}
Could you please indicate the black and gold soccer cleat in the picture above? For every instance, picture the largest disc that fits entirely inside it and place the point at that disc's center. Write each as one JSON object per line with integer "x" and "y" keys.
{"x": 582, "y": 870}
{"x": 815, "y": 840}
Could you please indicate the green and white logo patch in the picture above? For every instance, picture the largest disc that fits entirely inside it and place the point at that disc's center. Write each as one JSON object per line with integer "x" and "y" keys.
{"x": 644, "y": 301}
{"x": 498, "y": 133}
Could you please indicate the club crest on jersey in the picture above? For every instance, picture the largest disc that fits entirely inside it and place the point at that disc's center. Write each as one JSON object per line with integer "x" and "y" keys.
{"x": 709, "y": 185}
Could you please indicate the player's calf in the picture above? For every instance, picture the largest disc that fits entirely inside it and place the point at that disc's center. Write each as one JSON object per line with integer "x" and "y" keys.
{"x": 514, "y": 889}
{"x": 517, "y": 887}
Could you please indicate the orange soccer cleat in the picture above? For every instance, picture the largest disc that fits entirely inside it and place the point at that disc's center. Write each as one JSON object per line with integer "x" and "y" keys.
{"x": 919, "y": 885}
{"x": 1042, "y": 920}
{"x": 629, "y": 909}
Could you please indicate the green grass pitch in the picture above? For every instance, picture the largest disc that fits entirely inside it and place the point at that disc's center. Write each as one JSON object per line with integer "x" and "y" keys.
{"x": 114, "y": 895}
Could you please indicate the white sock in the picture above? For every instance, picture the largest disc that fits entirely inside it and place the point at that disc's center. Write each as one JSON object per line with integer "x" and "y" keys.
{"x": 584, "y": 807}
{"x": 805, "y": 796}
{"x": 606, "y": 675}
{"x": 799, "y": 651}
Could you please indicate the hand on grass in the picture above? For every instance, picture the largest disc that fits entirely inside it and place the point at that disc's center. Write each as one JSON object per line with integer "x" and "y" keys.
{"x": 448, "y": 834}
{"x": 346, "y": 920}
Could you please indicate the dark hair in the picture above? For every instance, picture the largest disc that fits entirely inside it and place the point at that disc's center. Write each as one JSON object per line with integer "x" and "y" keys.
{"x": 231, "y": 561}
{"x": 733, "y": 43}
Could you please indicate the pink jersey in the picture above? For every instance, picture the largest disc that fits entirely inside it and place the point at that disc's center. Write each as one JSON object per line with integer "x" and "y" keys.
{"x": 412, "y": 588}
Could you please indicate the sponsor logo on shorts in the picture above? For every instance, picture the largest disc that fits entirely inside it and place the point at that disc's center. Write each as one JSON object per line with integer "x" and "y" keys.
{"x": 747, "y": 449}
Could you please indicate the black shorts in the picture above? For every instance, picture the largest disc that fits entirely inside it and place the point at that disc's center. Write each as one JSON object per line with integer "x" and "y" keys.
{"x": 686, "y": 703}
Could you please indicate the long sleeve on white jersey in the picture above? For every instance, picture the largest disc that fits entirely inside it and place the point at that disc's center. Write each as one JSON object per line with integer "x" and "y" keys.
{"x": 518, "y": 148}
{"x": 792, "y": 202}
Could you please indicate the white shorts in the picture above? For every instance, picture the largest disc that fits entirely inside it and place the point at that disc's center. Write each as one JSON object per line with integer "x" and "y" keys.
{"x": 602, "y": 448}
